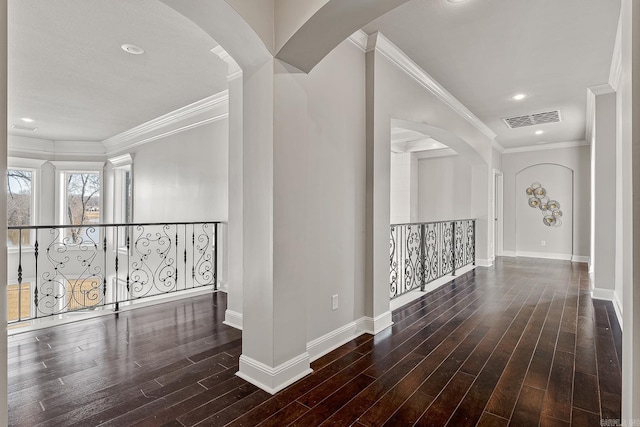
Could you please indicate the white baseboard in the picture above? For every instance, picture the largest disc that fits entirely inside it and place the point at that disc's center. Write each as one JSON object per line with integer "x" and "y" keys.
{"x": 233, "y": 319}
{"x": 609, "y": 295}
{"x": 545, "y": 255}
{"x": 372, "y": 325}
{"x": 272, "y": 380}
{"x": 581, "y": 258}
{"x": 511, "y": 254}
{"x": 334, "y": 339}
{"x": 617, "y": 306}
{"x": 604, "y": 294}
{"x": 484, "y": 262}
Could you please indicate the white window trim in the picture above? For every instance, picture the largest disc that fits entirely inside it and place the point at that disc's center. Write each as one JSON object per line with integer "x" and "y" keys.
{"x": 64, "y": 167}
{"x": 35, "y": 167}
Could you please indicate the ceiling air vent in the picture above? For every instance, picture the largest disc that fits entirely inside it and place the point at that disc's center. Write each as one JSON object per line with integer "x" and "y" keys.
{"x": 532, "y": 119}
{"x": 25, "y": 128}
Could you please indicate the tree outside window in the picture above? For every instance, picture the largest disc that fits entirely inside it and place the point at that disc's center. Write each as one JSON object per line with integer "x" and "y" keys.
{"x": 83, "y": 205}
{"x": 19, "y": 204}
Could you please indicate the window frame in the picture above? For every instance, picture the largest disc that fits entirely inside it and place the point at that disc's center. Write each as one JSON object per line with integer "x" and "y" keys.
{"x": 35, "y": 167}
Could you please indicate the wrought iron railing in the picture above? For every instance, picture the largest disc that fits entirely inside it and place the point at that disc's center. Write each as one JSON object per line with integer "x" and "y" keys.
{"x": 72, "y": 268}
{"x": 423, "y": 252}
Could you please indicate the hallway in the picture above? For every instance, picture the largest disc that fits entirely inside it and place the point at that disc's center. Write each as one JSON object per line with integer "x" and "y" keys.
{"x": 519, "y": 342}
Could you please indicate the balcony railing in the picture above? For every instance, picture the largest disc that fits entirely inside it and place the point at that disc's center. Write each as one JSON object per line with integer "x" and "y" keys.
{"x": 423, "y": 252}
{"x": 80, "y": 268}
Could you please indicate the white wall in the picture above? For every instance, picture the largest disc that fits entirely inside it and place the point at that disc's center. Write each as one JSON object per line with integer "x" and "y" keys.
{"x": 333, "y": 168}
{"x": 575, "y": 158}
{"x": 404, "y": 188}
{"x": 530, "y": 229}
{"x": 444, "y": 189}
{"x": 183, "y": 177}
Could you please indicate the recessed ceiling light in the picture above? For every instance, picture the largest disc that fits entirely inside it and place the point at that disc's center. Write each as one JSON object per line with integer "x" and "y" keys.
{"x": 26, "y": 120}
{"x": 132, "y": 48}
{"x": 539, "y": 132}
{"x": 519, "y": 97}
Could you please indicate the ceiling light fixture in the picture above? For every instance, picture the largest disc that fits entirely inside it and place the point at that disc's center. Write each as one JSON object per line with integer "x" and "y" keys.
{"x": 132, "y": 48}
{"x": 519, "y": 97}
{"x": 539, "y": 132}
{"x": 27, "y": 120}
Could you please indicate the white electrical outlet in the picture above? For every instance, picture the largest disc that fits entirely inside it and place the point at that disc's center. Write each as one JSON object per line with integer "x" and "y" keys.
{"x": 334, "y": 302}
{"x": 543, "y": 243}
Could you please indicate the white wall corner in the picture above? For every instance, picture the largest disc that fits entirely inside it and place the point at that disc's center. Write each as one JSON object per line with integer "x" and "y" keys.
{"x": 371, "y": 325}
{"x": 233, "y": 319}
{"x": 581, "y": 258}
{"x": 223, "y": 286}
{"x": 334, "y": 339}
{"x": 272, "y": 380}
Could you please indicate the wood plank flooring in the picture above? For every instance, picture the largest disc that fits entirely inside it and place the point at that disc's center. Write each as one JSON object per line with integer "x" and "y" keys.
{"x": 520, "y": 343}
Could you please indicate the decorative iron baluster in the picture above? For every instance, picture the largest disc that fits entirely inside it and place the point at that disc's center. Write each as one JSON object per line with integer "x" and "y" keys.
{"x": 20, "y": 274}
{"x": 193, "y": 255}
{"x": 393, "y": 262}
{"x": 453, "y": 247}
{"x": 185, "y": 258}
{"x": 116, "y": 293}
{"x": 35, "y": 287}
{"x": 215, "y": 256}
{"x": 423, "y": 257}
{"x": 185, "y": 285}
{"x": 128, "y": 265}
{"x": 104, "y": 250}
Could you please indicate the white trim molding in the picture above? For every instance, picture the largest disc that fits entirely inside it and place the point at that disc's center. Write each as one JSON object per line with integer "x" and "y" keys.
{"x": 207, "y": 110}
{"x": 233, "y": 319}
{"x": 544, "y": 255}
{"x": 615, "y": 71}
{"x": 402, "y": 60}
{"x": 359, "y": 38}
{"x": 122, "y": 160}
{"x": 484, "y": 262}
{"x": 540, "y": 147}
{"x": 609, "y": 295}
{"x": 272, "y": 380}
{"x": 511, "y": 254}
{"x": 334, "y": 339}
{"x": 440, "y": 152}
{"x": 374, "y": 325}
{"x": 495, "y": 144}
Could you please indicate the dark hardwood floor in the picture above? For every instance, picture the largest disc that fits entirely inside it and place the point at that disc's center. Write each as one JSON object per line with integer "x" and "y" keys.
{"x": 520, "y": 343}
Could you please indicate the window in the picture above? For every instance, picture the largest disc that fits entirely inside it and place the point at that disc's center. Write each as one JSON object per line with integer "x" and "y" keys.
{"x": 82, "y": 204}
{"x": 19, "y": 204}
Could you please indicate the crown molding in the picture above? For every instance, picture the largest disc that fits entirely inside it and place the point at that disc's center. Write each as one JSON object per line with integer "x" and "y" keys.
{"x": 495, "y": 144}
{"x": 76, "y": 166}
{"x": 19, "y": 146}
{"x": 132, "y": 137}
{"x": 122, "y": 160}
{"x": 398, "y": 57}
{"x": 360, "y": 39}
{"x": 431, "y": 154}
{"x": 542, "y": 147}
{"x": 615, "y": 71}
{"x": 19, "y": 162}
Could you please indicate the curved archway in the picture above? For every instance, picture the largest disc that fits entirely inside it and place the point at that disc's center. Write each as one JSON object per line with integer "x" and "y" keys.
{"x": 227, "y": 27}
{"x": 444, "y": 136}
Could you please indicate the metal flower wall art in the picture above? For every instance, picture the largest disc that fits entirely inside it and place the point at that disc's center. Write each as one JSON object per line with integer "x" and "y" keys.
{"x": 538, "y": 198}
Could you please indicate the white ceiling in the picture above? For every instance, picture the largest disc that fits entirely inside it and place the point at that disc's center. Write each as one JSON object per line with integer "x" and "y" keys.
{"x": 68, "y": 72}
{"x": 485, "y": 51}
